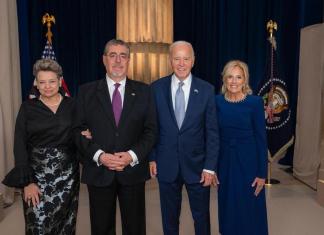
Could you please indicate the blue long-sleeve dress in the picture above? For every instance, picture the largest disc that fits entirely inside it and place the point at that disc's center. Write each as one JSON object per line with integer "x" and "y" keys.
{"x": 243, "y": 157}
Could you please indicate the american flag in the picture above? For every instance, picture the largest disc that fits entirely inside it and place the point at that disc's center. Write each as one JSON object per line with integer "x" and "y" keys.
{"x": 48, "y": 53}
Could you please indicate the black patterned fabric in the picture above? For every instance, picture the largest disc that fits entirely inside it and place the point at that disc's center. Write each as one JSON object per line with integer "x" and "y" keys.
{"x": 57, "y": 175}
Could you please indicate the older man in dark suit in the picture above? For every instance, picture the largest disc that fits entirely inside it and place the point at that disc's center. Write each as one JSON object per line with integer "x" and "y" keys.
{"x": 187, "y": 148}
{"x": 120, "y": 114}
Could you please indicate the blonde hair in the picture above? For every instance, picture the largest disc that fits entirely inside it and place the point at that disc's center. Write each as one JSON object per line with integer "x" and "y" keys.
{"x": 229, "y": 67}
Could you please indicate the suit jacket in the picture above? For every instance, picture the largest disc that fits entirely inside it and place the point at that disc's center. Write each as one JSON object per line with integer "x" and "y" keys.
{"x": 195, "y": 146}
{"x": 136, "y": 130}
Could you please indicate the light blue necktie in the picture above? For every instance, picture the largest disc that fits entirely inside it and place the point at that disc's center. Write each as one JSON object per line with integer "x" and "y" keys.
{"x": 179, "y": 105}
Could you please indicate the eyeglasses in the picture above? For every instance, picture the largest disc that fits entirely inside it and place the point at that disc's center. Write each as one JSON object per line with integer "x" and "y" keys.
{"x": 115, "y": 56}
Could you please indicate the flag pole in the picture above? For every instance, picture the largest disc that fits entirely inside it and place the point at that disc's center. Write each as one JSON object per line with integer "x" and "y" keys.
{"x": 271, "y": 26}
{"x": 269, "y": 174}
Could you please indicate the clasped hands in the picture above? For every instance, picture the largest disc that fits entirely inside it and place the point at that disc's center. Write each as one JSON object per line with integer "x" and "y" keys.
{"x": 116, "y": 161}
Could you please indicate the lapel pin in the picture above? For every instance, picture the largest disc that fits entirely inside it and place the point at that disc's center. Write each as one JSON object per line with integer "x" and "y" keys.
{"x": 133, "y": 94}
{"x": 196, "y": 91}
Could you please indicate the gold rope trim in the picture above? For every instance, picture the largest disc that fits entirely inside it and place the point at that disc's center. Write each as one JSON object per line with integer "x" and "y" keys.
{"x": 281, "y": 150}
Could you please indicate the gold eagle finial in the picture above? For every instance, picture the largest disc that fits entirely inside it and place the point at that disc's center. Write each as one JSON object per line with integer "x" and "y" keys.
{"x": 271, "y": 26}
{"x": 48, "y": 20}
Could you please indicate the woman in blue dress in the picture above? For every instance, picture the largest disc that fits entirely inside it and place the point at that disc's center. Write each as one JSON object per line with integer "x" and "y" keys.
{"x": 242, "y": 164}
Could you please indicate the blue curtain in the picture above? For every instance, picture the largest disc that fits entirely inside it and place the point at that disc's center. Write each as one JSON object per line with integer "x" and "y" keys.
{"x": 81, "y": 30}
{"x": 236, "y": 29}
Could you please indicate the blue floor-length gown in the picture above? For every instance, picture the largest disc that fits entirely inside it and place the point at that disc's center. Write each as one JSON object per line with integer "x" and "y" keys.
{"x": 243, "y": 156}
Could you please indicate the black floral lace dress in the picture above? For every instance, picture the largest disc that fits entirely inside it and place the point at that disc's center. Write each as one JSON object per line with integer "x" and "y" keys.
{"x": 44, "y": 154}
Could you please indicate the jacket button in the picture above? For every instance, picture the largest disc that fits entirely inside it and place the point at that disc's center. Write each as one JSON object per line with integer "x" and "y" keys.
{"x": 116, "y": 134}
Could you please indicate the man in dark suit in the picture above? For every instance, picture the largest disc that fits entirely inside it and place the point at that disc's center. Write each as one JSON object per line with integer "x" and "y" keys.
{"x": 120, "y": 114}
{"x": 187, "y": 147}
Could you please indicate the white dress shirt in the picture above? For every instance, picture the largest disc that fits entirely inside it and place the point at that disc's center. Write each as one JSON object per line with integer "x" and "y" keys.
{"x": 111, "y": 87}
{"x": 186, "y": 90}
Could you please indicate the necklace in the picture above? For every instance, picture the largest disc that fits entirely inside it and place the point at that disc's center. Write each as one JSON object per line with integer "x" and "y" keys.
{"x": 51, "y": 105}
{"x": 234, "y": 101}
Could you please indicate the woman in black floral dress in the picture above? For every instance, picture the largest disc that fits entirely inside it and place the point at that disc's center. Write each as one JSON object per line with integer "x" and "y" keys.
{"x": 46, "y": 166}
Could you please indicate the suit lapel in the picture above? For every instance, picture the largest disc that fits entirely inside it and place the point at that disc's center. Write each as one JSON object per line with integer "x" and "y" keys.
{"x": 168, "y": 93}
{"x": 104, "y": 98}
{"x": 129, "y": 99}
{"x": 192, "y": 103}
